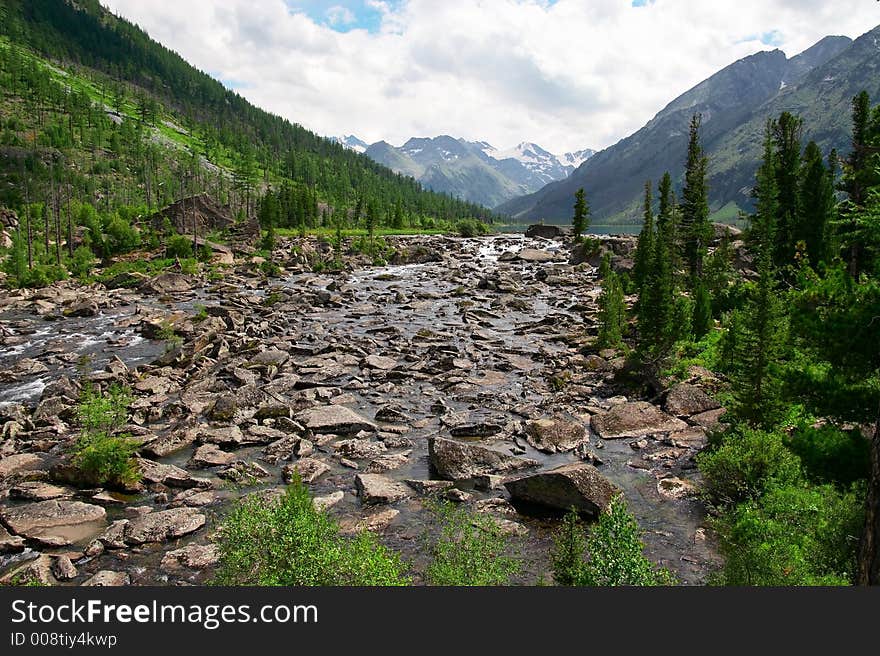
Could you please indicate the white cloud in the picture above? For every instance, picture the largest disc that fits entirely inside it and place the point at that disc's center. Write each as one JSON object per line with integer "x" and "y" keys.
{"x": 338, "y": 15}
{"x": 567, "y": 74}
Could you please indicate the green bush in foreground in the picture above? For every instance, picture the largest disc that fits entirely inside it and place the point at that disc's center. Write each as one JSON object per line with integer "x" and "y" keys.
{"x": 287, "y": 541}
{"x": 614, "y": 552}
{"x": 745, "y": 464}
{"x": 102, "y": 457}
{"x": 793, "y": 535}
{"x": 471, "y": 550}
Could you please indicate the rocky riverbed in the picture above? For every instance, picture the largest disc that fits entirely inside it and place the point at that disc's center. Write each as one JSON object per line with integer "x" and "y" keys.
{"x": 465, "y": 370}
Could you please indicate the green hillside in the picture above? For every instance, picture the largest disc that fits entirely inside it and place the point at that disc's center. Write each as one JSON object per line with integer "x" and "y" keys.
{"x": 89, "y": 99}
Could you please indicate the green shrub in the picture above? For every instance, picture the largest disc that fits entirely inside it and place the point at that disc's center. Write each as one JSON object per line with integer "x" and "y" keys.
{"x": 288, "y": 541}
{"x": 270, "y": 268}
{"x": 470, "y": 550}
{"x": 614, "y": 552}
{"x": 82, "y": 262}
{"x": 179, "y": 246}
{"x": 471, "y": 228}
{"x": 102, "y": 457}
{"x": 745, "y": 464}
{"x": 120, "y": 236}
{"x": 832, "y": 455}
{"x": 793, "y": 535}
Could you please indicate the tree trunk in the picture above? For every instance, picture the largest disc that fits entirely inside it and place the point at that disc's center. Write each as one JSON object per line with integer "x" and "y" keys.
{"x": 69, "y": 223}
{"x": 869, "y": 552}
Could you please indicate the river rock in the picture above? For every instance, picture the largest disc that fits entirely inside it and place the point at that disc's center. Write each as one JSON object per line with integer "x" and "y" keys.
{"x": 536, "y": 256}
{"x": 673, "y": 487}
{"x": 53, "y": 518}
{"x": 209, "y": 455}
{"x": 685, "y": 400}
{"x": 82, "y": 309}
{"x": 545, "y": 231}
{"x": 194, "y": 556}
{"x": 167, "y": 283}
{"x": 168, "y": 475}
{"x": 577, "y": 485}
{"x": 335, "y": 419}
{"x": 634, "y": 419}
{"x": 328, "y": 501}
{"x": 38, "y": 491}
{"x": 377, "y": 489}
{"x": 10, "y": 543}
{"x": 309, "y": 470}
{"x": 557, "y": 434}
{"x": 269, "y": 357}
{"x": 19, "y": 463}
{"x": 379, "y": 362}
{"x": 38, "y": 570}
{"x": 63, "y": 568}
{"x": 108, "y": 578}
{"x": 455, "y": 460}
{"x": 163, "y": 525}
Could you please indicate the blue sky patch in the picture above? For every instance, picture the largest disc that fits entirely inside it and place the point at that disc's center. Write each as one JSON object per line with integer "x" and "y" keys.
{"x": 342, "y": 15}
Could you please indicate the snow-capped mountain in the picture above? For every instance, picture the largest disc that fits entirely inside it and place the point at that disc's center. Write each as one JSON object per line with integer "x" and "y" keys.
{"x": 352, "y": 143}
{"x": 476, "y": 170}
{"x": 577, "y": 158}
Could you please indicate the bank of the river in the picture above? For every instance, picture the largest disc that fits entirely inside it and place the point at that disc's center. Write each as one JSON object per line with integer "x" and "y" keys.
{"x": 345, "y": 376}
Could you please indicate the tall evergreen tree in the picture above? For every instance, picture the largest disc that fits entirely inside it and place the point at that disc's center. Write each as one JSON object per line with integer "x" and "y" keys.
{"x": 581, "y": 219}
{"x": 701, "y": 323}
{"x": 817, "y": 204}
{"x": 762, "y": 324}
{"x": 656, "y": 306}
{"x": 787, "y": 138}
{"x": 612, "y": 309}
{"x": 645, "y": 247}
{"x": 695, "y": 227}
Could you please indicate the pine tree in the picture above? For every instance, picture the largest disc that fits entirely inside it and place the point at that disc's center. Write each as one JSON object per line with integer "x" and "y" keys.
{"x": 817, "y": 204}
{"x": 656, "y": 305}
{"x": 581, "y": 220}
{"x": 762, "y": 326}
{"x": 645, "y": 247}
{"x": 701, "y": 322}
{"x": 787, "y": 138}
{"x": 612, "y": 309}
{"x": 695, "y": 227}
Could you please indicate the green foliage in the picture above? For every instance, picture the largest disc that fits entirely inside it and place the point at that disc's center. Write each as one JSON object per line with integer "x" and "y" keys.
{"x": 615, "y": 552}
{"x": 471, "y": 228}
{"x": 612, "y": 312}
{"x": 201, "y": 312}
{"x": 702, "y": 317}
{"x": 695, "y": 228}
{"x": 745, "y": 464}
{"x": 470, "y": 550}
{"x": 792, "y": 535}
{"x": 82, "y": 262}
{"x": 581, "y": 219}
{"x": 103, "y": 457}
{"x": 286, "y": 541}
{"x": 178, "y": 246}
{"x": 832, "y": 455}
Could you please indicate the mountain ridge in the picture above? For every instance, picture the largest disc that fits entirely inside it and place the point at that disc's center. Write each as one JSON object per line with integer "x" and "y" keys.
{"x": 735, "y": 103}
{"x": 475, "y": 170}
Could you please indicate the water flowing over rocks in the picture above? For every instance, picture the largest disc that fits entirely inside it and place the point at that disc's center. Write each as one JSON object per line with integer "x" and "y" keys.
{"x": 466, "y": 370}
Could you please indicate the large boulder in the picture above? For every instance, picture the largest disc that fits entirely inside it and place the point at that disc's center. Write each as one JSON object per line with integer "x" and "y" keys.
{"x": 376, "y": 488}
{"x": 685, "y": 400}
{"x": 577, "y": 485}
{"x": 59, "y": 521}
{"x": 557, "y": 434}
{"x": 635, "y": 419}
{"x": 535, "y": 256}
{"x": 455, "y": 460}
{"x": 168, "y": 283}
{"x": 163, "y": 525}
{"x": 334, "y": 419}
{"x": 545, "y": 231}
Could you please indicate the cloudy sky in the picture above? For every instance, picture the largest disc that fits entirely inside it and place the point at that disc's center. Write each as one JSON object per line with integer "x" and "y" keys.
{"x": 566, "y": 74}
